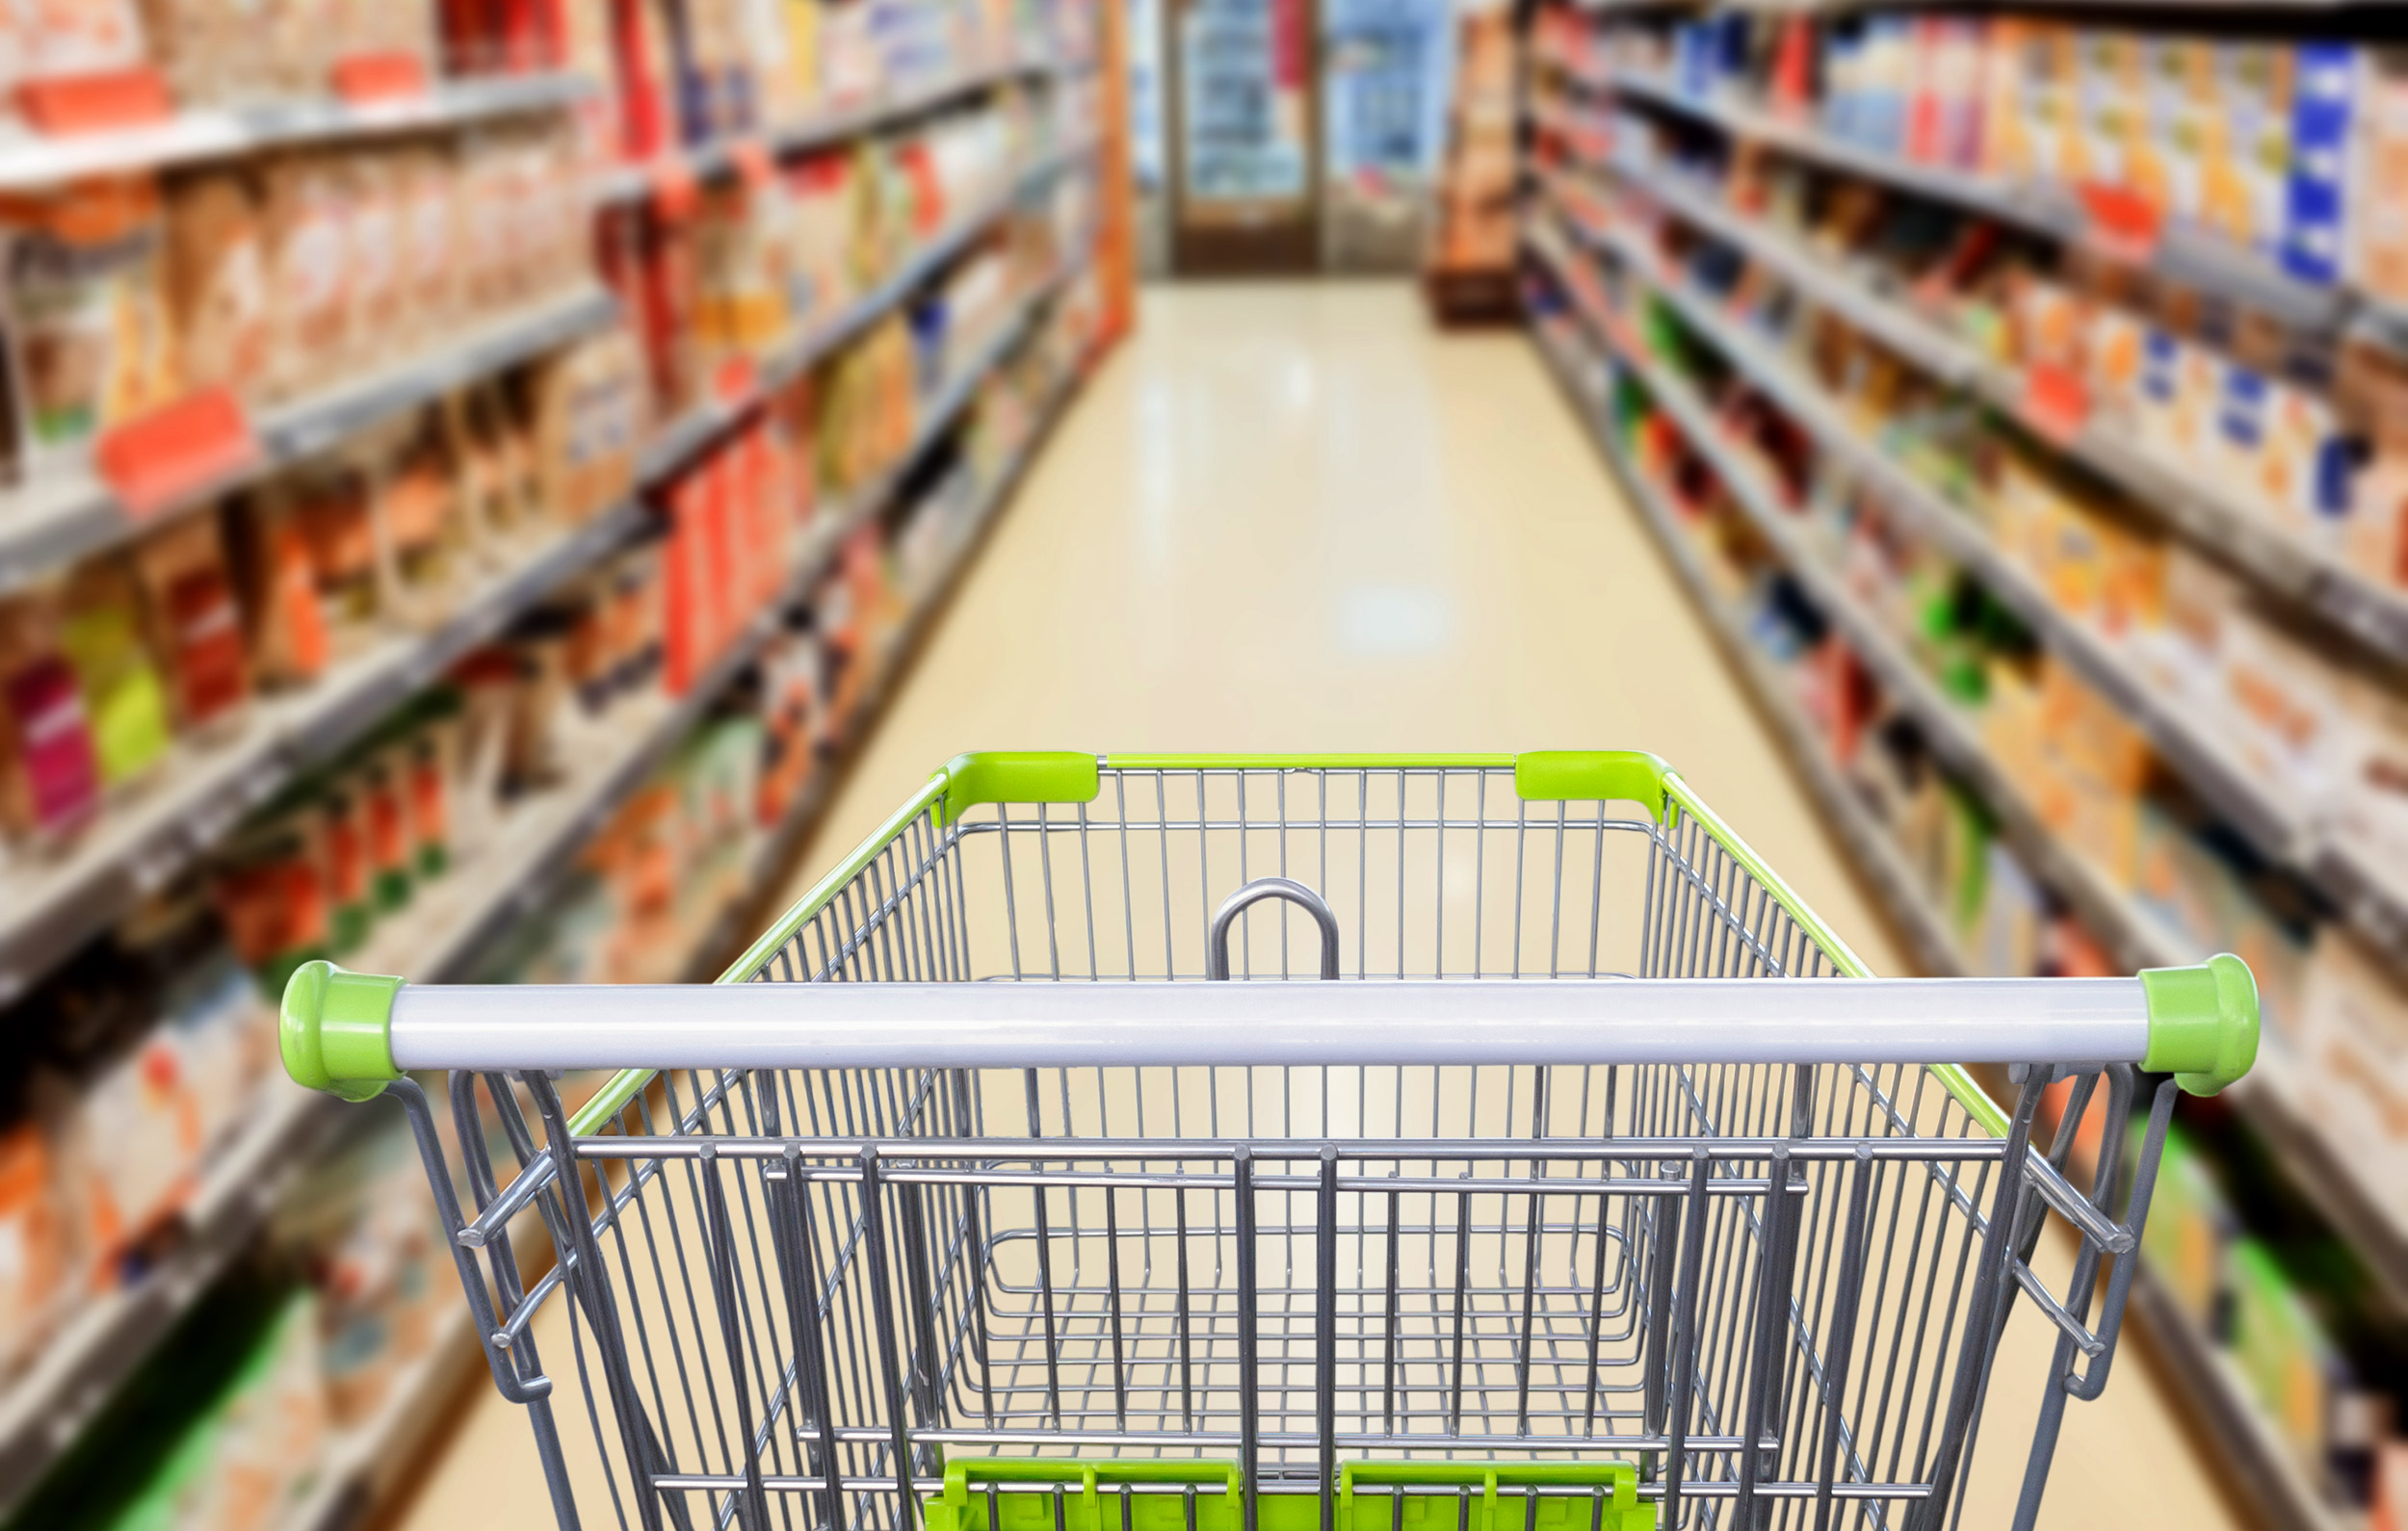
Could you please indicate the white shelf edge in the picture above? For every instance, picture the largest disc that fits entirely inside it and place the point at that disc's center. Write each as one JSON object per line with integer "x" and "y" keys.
{"x": 34, "y": 161}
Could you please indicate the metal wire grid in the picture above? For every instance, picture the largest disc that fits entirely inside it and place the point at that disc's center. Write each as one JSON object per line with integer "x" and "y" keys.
{"x": 1431, "y": 874}
{"x": 809, "y": 1278}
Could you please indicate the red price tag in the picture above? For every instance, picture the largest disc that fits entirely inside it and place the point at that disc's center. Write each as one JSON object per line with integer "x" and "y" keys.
{"x": 365, "y": 79}
{"x": 675, "y": 192}
{"x": 2124, "y": 226}
{"x": 751, "y": 160}
{"x": 737, "y": 381}
{"x": 2055, "y": 402}
{"x": 176, "y": 452}
{"x": 96, "y": 103}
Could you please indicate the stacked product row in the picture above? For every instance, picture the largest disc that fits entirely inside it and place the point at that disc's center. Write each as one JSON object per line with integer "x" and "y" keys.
{"x": 1932, "y": 444}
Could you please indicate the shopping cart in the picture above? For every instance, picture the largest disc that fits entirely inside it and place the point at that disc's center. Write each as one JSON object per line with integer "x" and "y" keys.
{"x": 998, "y": 1230}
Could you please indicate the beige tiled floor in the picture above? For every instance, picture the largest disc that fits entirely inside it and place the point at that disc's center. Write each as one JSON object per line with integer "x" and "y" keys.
{"x": 1292, "y": 517}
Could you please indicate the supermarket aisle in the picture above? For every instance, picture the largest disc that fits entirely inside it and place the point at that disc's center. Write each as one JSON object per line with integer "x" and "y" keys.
{"x": 1291, "y": 517}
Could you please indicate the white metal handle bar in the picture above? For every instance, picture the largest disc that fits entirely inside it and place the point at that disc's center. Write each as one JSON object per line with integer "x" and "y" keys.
{"x": 352, "y": 1031}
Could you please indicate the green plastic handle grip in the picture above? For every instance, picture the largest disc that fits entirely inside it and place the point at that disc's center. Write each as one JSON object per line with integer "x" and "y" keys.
{"x": 335, "y": 1030}
{"x": 2203, "y": 1022}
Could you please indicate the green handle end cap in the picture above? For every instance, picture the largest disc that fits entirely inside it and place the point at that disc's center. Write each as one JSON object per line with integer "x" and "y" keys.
{"x": 335, "y": 1030}
{"x": 2203, "y": 1022}
{"x": 1017, "y": 776}
{"x": 1586, "y": 776}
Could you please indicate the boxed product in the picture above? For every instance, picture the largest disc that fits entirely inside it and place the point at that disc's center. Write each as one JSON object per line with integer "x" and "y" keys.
{"x": 426, "y": 539}
{"x": 307, "y": 555}
{"x": 50, "y": 782}
{"x": 104, "y": 633}
{"x": 36, "y": 1250}
{"x": 189, "y": 590}
{"x": 85, "y": 318}
{"x": 311, "y": 253}
{"x": 428, "y": 235}
{"x": 2317, "y": 210}
{"x": 2189, "y": 1229}
{"x": 590, "y": 421}
{"x": 2284, "y": 1350}
{"x": 2353, "y": 1034}
{"x": 2371, "y": 810}
{"x": 270, "y": 888}
{"x": 2377, "y": 232}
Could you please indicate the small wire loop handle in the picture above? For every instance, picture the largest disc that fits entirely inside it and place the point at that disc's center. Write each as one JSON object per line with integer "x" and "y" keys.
{"x": 1217, "y": 957}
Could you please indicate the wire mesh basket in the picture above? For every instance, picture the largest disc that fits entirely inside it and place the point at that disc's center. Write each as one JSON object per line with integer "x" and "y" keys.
{"x": 1538, "y": 1220}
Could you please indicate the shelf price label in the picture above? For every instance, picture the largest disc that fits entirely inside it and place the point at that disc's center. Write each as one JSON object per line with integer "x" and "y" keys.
{"x": 2055, "y": 402}
{"x": 675, "y": 192}
{"x": 2123, "y": 224}
{"x": 751, "y": 161}
{"x": 736, "y": 379}
{"x": 372, "y": 79}
{"x": 178, "y": 450}
{"x": 96, "y": 103}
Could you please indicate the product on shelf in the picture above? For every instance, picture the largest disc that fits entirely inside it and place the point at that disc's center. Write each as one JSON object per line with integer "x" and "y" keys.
{"x": 85, "y": 316}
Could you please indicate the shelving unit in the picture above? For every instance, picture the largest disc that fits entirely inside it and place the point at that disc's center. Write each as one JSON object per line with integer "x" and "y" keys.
{"x": 2260, "y": 1464}
{"x": 440, "y": 936}
{"x": 96, "y": 1347}
{"x": 2214, "y": 265}
{"x": 352, "y": 1475}
{"x": 2308, "y": 579}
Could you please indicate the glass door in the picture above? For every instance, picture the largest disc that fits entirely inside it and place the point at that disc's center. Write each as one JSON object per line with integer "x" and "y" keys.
{"x": 1244, "y": 136}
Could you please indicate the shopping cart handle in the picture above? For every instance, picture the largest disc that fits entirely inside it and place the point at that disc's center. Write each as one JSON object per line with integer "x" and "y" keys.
{"x": 350, "y": 1032}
